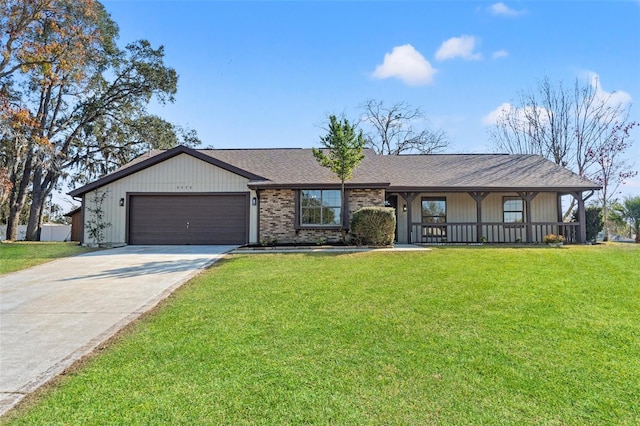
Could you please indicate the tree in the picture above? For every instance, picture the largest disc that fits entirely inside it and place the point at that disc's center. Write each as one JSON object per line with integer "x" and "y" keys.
{"x": 393, "y": 130}
{"x": 74, "y": 101}
{"x": 612, "y": 168}
{"x": 628, "y": 212}
{"x": 595, "y": 222}
{"x": 342, "y": 151}
{"x": 567, "y": 126}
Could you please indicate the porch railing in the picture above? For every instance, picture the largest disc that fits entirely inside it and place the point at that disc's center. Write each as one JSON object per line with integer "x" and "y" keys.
{"x": 490, "y": 232}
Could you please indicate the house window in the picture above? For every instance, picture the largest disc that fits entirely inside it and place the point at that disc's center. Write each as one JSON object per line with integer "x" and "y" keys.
{"x": 512, "y": 209}
{"x": 320, "y": 207}
{"x": 434, "y": 211}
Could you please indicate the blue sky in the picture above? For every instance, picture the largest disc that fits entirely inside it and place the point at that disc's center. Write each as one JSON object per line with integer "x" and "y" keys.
{"x": 267, "y": 74}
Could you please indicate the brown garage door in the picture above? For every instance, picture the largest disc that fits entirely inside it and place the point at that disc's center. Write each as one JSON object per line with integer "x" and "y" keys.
{"x": 188, "y": 219}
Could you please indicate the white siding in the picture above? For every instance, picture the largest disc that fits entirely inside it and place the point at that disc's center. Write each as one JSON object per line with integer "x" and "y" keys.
{"x": 180, "y": 174}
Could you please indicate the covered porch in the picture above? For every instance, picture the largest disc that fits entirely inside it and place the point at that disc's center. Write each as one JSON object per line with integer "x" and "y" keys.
{"x": 498, "y": 216}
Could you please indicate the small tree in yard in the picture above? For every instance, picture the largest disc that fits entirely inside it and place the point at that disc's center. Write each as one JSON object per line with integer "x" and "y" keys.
{"x": 341, "y": 152}
{"x": 628, "y": 212}
{"x": 96, "y": 224}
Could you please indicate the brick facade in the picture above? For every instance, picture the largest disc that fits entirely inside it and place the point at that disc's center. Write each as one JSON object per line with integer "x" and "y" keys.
{"x": 277, "y": 216}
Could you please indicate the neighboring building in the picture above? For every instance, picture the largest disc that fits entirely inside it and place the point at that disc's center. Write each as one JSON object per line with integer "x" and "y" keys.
{"x": 76, "y": 223}
{"x": 240, "y": 196}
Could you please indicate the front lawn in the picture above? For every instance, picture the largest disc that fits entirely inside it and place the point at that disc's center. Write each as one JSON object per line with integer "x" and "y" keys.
{"x": 15, "y": 256}
{"x": 471, "y": 335}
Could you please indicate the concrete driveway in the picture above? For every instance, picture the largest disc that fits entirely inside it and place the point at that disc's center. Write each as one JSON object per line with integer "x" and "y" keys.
{"x": 54, "y": 314}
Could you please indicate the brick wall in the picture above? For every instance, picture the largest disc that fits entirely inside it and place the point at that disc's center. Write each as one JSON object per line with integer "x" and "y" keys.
{"x": 277, "y": 216}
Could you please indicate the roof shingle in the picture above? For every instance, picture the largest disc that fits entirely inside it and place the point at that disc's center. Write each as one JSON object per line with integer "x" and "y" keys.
{"x": 297, "y": 167}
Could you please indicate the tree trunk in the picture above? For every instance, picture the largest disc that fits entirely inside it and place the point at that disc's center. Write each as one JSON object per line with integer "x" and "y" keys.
{"x": 638, "y": 235}
{"x": 37, "y": 201}
{"x": 605, "y": 216}
{"x": 343, "y": 233}
{"x": 17, "y": 199}
{"x": 41, "y": 190}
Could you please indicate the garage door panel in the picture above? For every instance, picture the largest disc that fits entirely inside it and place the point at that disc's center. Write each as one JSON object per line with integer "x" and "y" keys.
{"x": 188, "y": 219}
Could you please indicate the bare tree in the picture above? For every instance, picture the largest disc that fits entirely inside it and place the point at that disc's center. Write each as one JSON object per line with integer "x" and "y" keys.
{"x": 564, "y": 125}
{"x": 397, "y": 129}
{"x": 612, "y": 166}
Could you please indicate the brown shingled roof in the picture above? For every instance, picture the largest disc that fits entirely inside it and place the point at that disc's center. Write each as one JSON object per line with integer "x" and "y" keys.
{"x": 296, "y": 167}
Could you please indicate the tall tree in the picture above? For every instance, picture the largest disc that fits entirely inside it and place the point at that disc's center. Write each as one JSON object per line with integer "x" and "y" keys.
{"x": 565, "y": 125}
{"x": 342, "y": 151}
{"x": 69, "y": 91}
{"x": 612, "y": 167}
{"x": 399, "y": 129}
{"x": 628, "y": 212}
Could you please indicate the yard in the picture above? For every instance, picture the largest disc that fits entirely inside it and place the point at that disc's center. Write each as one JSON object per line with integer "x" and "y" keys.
{"x": 469, "y": 335}
{"x": 20, "y": 255}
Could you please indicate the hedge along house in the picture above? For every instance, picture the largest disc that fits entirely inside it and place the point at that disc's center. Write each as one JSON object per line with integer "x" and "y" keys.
{"x": 240, "y": 196}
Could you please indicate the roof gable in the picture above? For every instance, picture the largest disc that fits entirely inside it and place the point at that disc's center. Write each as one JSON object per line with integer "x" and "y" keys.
{"x": 136, "y": 166}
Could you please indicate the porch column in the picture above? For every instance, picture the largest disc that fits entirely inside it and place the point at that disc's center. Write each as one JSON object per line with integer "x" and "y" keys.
{"x": 478, "y": 197}
{"x": 582, "y": 216}
{"x": 528, "y": 197}
{"x": 408, "y": 197}
{"x": 559, "y": 207}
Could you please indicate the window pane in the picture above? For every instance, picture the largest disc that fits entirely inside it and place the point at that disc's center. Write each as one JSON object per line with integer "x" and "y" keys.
{"x": 311, "y": 216}
{"x": 331, "y": 216}
{"x": 512, "y": 217}
{"x": 434, "y": 210}
{"x": 331, "y": 198}
{"x": 513, "y": 204}
{"x": 310, "y": 198}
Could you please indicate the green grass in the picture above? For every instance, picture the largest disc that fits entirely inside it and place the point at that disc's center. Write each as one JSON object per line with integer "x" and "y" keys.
{"x": 22, "y": 255}
{"x": 452, "y": 336}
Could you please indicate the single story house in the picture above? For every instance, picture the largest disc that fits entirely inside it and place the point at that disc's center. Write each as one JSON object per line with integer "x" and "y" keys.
{"x": 258, "y": 196}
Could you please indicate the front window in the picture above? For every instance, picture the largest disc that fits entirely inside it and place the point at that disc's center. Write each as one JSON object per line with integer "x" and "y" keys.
{"x": 320, "y": 207}
{"x": 513, "y": 209}
{"x": 434, "y": 211}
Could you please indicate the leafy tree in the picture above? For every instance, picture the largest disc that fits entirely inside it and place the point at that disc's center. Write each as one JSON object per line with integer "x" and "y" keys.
{"x": 342, "y": 151}
{"x": 569, "y": 126}
{"x": 73, "y": 102}
{"x": 594, "y": 219}
{"x": 394, "y": 130}
{"x": 628, "y": 212}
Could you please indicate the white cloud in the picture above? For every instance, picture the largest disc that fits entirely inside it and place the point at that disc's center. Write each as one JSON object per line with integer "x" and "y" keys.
{"x": 610, "y": 98}
{"x": 493, "y": 116}
{"x": 518, "y": 116}
{"x": 407, "y": 64}
{"x": 499, "y": 54}
{"x": 458, "y": 47}
{"x": 501, "y": 9}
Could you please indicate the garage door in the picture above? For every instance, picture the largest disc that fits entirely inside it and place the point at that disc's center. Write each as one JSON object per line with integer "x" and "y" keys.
{"x": 188, "y": 219}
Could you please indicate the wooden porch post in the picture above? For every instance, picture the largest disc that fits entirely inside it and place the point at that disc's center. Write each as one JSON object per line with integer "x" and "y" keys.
{"x": 528, "y": 197}
{"x": 478, "y": 197}
{"x": 559, "y": 207}
{"x": 582, "y": 216}
{"x": 408, "y": 197}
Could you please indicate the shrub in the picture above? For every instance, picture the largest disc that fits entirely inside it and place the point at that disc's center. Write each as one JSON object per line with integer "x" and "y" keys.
{"x": 373, "y": 226}
{"x": 553, "y": 239}
{"x": 595, "y": 223}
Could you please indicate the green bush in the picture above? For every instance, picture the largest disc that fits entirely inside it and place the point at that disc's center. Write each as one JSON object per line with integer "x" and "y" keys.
{"x": 594, "y": 224}
{"x": 374, "y": 226}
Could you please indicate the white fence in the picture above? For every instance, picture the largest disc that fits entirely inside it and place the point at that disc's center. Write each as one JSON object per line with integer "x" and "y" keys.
{"x": 50, "y": 232}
